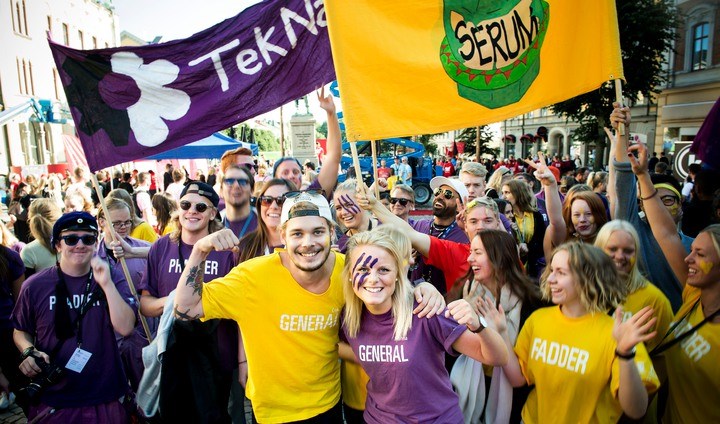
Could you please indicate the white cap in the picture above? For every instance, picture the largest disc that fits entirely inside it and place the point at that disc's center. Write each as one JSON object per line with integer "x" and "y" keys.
{"x": 314, "y": 197}
{"x": 453, "y": 182}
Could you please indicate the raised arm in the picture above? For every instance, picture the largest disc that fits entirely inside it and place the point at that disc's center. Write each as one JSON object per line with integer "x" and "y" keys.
{"x": 329, "y": 171}
{"x": 661, "y": 222}
{"x": 481, "y": 344}
{"x": 188, "y": 295}
{"x": 419, "y": 241}
{"x": 556, "y": 231}
{"x": 122, "y": 315}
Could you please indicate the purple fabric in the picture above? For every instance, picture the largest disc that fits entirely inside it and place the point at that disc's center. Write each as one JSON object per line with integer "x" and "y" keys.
{"x": 408, "y": 379}
{"x": 102, "y": 380}
{"x": 237, "y": 226}
{"x": 421, "y": 271}
{"x": 110, "y": 413}
{"x": 16, "y": 268}
{"x": 133, "y": 102}
{"x": 706, "y": 144}
{"x": 163, "y": 273}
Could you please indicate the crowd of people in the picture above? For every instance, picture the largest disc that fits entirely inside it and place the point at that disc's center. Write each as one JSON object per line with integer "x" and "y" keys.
{"x": 536, "y": 292}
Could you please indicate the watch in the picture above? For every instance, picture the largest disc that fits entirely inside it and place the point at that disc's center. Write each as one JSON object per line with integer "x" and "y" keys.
{"x": 483, "y": 325}
{"x": 27, "y": 351}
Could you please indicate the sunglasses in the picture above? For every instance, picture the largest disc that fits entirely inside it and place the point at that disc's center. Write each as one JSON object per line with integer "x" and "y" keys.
{"x": 403, "y": 202}
{"x": 242, "y": 182}
{"x": 268, "y": 200}
{"x": 447, "y": 193}
{"x": 291, "y": 194}
{"x": 72, "y": 240}
{"x": 200, "y": 206}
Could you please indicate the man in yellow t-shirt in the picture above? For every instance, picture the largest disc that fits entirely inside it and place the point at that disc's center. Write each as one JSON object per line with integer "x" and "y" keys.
{"x": 288, "y": 306}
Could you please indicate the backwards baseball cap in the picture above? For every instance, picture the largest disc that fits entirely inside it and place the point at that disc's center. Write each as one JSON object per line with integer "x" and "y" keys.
{"x": 202, "y": 189}
{"x": 74, "y": 221}
{"x": 281, "y": 160}
{"x": 454, "y": 183}
{"x": 305, "y": 203}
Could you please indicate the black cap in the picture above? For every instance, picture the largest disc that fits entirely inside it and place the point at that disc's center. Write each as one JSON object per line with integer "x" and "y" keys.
{"x": 74, "y": 221}
{"x": 202, "y": 189}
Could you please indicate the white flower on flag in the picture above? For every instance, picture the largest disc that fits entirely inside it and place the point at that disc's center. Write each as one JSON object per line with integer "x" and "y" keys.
{"x": 157, "y": 102}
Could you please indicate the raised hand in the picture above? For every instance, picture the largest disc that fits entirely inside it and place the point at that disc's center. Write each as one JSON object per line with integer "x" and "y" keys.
{"x": 495, "y": 317}
{"x": 462, "y": 312}
{"x": 633, "y": 331}
{"x": 224, "y": 239}
{"x": 639, "y": 164}
{"x": 620, "y": 115}
{"x": 326, "y": 102}
{"x": 542, "y": 173}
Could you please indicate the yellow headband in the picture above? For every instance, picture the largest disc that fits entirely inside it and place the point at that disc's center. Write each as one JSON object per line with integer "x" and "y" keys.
{"x": 669, "y": 187}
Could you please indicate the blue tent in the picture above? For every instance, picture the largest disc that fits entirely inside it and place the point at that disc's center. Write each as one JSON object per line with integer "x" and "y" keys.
{"x": 211, "y": 147}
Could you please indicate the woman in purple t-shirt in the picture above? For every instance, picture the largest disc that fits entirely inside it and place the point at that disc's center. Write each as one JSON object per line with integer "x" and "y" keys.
{"x": 403, "y": 354}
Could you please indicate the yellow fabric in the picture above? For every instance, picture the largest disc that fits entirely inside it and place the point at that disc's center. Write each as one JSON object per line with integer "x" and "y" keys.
{"x": 144, "y": 231}
{"x": 693, "y": 367}
{"x": 571, "y": 362}
{"x": 354, "y": 385}
{"x": 391, "y": 181}
{"x": 168, "y": 229}
{"x": 397, "y": 62}
{"x": 650, "y": 296}
{"x": 290, "y": 336}
{"x": 526, "y": 225}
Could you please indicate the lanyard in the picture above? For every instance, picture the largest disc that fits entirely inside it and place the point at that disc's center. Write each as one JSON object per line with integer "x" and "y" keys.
{"x": 445, "y": 231}
{"x": 244, "y": 228}
{"x": 84, "y": 306}
{"x": 660, "y": 348}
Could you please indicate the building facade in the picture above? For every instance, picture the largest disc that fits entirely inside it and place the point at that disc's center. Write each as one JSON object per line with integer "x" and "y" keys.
{"x": 30, "y": 85}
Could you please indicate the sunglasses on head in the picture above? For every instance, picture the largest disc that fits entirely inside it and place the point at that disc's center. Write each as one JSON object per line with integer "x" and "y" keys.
{"x": 268, "y": 200}
{"x": 242, "y": 182}
{"x": 72, "y": 240}
{"x": 291, "y": 194}
{"x": 200, "y": 206}
{"x": 447, "y": 193}
{"x": 403, "y": 202}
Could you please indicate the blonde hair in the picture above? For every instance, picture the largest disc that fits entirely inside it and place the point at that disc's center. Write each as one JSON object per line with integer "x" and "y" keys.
{"x": 495, "y": 181}
{"x": 398, "y": 246}
{"x": 635, "y": 280}
{"x": 596, "y": 279}
{"x": 42, "y": 215}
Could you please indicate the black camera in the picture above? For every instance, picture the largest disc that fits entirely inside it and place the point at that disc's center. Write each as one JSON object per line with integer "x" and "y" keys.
{"x": 50, "y": 375}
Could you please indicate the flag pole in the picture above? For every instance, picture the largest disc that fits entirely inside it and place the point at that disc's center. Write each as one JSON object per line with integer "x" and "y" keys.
{"x": 374, "y": 162}
{"x": 356, "y": 161}
{"x": 619, "y": 99}
{"x": 123, "y": 264}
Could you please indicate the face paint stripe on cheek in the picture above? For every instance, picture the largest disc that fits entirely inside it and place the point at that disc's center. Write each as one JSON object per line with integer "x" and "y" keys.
{"x": 705, "y": 266}
{"x": 361, "y": 280}
{"x": 357, "y": 262}
{"x": 372, "y": 264}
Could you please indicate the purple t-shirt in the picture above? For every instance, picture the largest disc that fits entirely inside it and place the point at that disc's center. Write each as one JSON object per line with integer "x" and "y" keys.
{"x": 242, "y": 227}
{"x": 102, "y": 379}
{"x": 16, "y": 269}
{"x": 432, "y": 275}
{"x": 408, "y": 379}
{"x": 163, "y": 272}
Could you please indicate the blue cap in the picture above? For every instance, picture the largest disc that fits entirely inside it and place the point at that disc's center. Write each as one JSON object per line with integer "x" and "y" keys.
{"x": 74, "y": 221}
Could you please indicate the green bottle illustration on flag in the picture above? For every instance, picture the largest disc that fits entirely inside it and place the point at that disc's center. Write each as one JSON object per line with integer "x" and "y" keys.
{"x": 492, "y": 48}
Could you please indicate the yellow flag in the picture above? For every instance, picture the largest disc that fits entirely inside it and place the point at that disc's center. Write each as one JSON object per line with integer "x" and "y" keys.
{"x": 409, "y": 67}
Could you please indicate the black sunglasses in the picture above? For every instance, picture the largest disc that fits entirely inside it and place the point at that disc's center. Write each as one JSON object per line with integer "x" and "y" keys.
{"x": 72, "y": 240}
{"x": 200, "y": 206}
{"x": 403, "y": 202}
{"x": 447, "y": 193}
{"x": 242, "y": 182}
{"x": 268, "y": 200}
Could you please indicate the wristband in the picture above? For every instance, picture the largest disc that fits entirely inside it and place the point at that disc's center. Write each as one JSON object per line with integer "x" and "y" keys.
{"x": 27, "y": 351}
{"x": 482, "y": 325}
{"x": 626, "y": 357}
{"x": 650, "y": 196}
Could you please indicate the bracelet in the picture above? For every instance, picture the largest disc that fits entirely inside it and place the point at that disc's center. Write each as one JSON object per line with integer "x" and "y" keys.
{"x": 242, "y": 362}
{"x": 626, "y": 357}
{"x": 650, "y": 196}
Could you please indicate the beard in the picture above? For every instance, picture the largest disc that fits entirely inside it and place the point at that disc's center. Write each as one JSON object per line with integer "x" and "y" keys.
{"x": 325, "y": 251}
{"x": 445, "y": 211}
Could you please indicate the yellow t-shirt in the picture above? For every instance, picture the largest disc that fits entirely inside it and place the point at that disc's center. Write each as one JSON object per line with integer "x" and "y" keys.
{"x": 290, "y": 336}
{"x": 650, "y": 296}
{"x": 354, "y": 385}
{"x": 391, "y": 181}
{"x": 571, "y": 362}
{"x": 144, "y": 231}
{"x": 693, "y": 367}
{"x": 168, "y": 229}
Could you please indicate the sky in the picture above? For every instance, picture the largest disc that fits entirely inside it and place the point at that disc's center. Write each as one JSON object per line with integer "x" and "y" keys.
{"x": 178, "y": 19}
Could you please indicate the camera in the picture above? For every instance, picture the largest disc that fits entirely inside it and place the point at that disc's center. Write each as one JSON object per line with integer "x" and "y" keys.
{"x": 50, "y": 375}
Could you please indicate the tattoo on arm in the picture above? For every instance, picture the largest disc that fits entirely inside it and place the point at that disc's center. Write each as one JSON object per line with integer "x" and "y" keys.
{"x": 184, "y": 315}
{"x": 194, "y": 279}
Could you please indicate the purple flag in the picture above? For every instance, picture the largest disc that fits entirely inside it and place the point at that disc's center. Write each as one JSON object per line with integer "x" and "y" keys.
{"x": 706, "y": 144}
{"x": 133, "y": 102}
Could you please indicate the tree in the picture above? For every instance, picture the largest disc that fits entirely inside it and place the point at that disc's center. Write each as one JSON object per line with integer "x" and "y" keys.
{"x": 266, "y": 140}
{"x": 469, "y": 135}
{"x": 647, "y": 31}
{"x": 426, "y": 141}
{"x": 322, "y": 129}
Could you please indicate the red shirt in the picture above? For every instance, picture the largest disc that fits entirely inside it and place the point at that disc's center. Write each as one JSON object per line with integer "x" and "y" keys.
{"x": 448, "y": 169}
{"x": 383, "y": 172}
{"x": 450, "y": 257}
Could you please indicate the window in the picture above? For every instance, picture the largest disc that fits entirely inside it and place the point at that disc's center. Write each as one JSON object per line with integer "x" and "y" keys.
{"x": 700, "y": 41}
{"x": 82, "y": 40}
{"x": 66, "y": 34}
